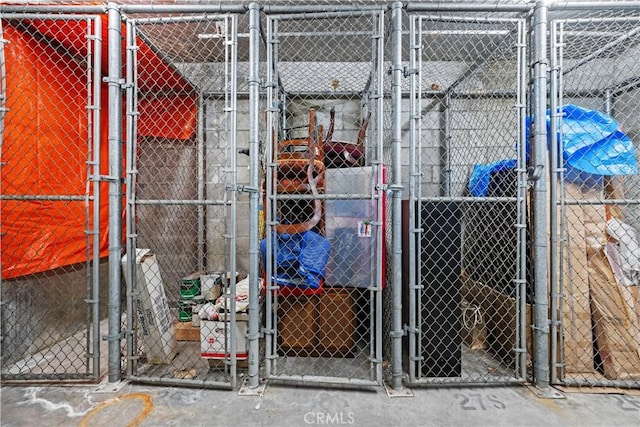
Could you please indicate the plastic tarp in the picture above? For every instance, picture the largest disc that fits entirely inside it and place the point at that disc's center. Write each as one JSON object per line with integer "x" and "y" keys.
{"x": 592, "y": 146}
{"x": 45, "y": 140}
{"x": 45, "y": 152}
{"x": 301, "y": 258}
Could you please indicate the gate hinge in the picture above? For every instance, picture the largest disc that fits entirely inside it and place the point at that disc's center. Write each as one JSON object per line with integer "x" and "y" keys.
{"x": 116, "y": 337}
{"x": 534, "y": 173}
{"x": 409, "y": 71}
{"x": 397, "y": 334}
{"x": 411, "y": 330}
{"x": 119, "y": 82}
{"x": 246, "y": 189}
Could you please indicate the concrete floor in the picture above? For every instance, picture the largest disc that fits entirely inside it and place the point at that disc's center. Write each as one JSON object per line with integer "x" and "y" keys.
{"x": 278, "y": 405}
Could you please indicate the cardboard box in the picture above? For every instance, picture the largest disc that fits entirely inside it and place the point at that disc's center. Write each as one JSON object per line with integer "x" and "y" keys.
{"x": 499, "y": 315}
{"x": 616, "y": 318}
{"x": 337, "y": 322}
{"x": 215, "y": 337}
{"x": 154, "y": 316}
{"x": 318, "y": 325}
{"x": 297, "y": 323}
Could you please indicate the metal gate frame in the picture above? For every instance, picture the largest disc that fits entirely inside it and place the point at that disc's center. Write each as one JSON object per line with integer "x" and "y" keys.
{"x": 276, "y": 95}
{"x": 91, "y": 200}
{"x": 229, "y": 23}
{"x": 560, "y": 201}
{"x": 416, "y": 17}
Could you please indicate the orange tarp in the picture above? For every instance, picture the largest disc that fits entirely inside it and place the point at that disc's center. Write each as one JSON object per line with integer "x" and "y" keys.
{"x": 44, "y": 152}
{"x": 45, "y": 141}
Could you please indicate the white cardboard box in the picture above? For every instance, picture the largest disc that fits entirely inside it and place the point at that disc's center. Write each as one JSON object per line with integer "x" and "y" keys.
{"x": 214, "y": 336}
{"x": 154, "y": 316}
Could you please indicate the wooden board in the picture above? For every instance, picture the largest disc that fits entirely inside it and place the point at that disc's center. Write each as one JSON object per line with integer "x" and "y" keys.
{"x": 185, "y": 331}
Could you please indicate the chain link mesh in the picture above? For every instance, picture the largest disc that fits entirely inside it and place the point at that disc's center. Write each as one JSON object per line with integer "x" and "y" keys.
{"x": 186, "y": 200}
{"x": 49, "y": 322}
{"x": 597, "y": 198}
{"x": 467, "y": 250}
{"x": 326, "y": 121}
{"x": 323, "y": 205}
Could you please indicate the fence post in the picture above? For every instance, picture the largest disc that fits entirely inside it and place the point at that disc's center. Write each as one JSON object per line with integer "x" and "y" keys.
{"x": 115, "y": 188}
{"x": 396, "y": 188}
{"x": 540, "y": 200}
{"x": 254, "y": 155}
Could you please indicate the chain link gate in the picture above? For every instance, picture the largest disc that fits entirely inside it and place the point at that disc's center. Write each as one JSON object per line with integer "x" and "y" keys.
{"x": 183, "y": 198}
{"x": 53, "y": 231}
{"x": 465, "y": 221}
{"x": 595, "y": 188}
{"x": 323, "y": 249}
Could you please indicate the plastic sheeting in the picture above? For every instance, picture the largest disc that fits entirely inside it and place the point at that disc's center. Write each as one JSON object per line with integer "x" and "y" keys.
{"x": 592, "y": 146}
{"x": 593, "y": 143}
{"x": 45, "y": 152}
{"x": 301, "y": 258}
{"x": 45, "y": 139}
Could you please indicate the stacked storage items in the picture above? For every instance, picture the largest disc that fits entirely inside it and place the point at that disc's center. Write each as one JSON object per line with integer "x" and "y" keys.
{"x": 327, "y": 250}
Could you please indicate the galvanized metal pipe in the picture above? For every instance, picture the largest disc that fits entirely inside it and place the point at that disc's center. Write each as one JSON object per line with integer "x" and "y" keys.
{"x": 183, "y": 8}
{"x": 594, "y": 5}
{"x": 554, "y": 233}
{"x": 270, "y": 9}
{"x": 231, "y": 108}
{"x": 115, "y": 187}
{"x": 466, "y": 7}
{"x": 268, "y": 208}
{"x": 131, "y": 149}
{"x": 201, "y": 178}
{"x": 561, "y": 202}
{"x": 447, "y": 145}
{"x": 396, "y": 189}
{"x": 97, "y": 142}
{"x": 33, "y": 9}
{"x": 378, "y": 48}
{"x": 540, "y": 162}
{"x": 254, "y": 201}
{"x": 415, "y": 61}
{"x": 521, "y": 225}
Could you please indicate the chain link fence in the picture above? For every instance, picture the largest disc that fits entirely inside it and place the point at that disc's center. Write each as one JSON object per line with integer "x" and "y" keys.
{"x": 465, "y": 255}
{"x": 359, "y": 104}
{"x": 191, "y": 287}
{"x": 323, "y": 248}
{"x": 53, "y": 229}
{"x": 597, "y": 213}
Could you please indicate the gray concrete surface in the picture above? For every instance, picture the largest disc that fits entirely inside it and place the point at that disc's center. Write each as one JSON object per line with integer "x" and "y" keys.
{"x": 143, "y": 405}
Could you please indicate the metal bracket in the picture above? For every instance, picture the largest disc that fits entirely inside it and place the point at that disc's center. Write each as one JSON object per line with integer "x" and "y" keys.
{"x": 534, "y": 173}
{"x": 401, "y": 392}
{"x": 116, "y": 337}
{"x": 409, "y": 71}
{"x": 245, "y": 390}
{"x": 119, "y": 82}
{"x": 396, "y": 187}
{"x": 546, "y": 393}
{"x": 246, "y": 189}
{"x": 397, "y": 334}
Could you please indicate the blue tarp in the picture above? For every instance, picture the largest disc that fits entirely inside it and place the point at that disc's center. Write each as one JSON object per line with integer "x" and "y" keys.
{"x": 301, "y": 259}
{"x": 593, "y": 143}
{"x": 592, "y": 146}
